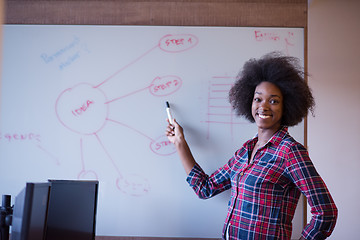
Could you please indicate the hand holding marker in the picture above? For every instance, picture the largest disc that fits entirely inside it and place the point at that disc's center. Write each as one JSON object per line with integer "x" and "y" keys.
{"x": 171, "y": 121}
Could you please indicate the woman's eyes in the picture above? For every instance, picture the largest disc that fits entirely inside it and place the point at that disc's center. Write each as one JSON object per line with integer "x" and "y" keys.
{"x": 271, "y": 101}
{"x": 274, "y": 101}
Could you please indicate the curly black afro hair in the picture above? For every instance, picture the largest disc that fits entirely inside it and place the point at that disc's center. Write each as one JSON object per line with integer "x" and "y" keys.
{"x": 283, "y": 71}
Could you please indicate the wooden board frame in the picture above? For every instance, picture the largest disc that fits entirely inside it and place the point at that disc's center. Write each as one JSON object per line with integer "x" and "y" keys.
{"x": 230, "y": 13}
{"x": 266, "y": 13}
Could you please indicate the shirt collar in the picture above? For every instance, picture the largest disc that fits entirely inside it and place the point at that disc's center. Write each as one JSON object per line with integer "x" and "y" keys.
{"x": 275, "y": 139}
{"x": 279, "y": 135}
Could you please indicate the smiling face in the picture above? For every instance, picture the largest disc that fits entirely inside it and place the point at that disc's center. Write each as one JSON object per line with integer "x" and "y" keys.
{"x": 267, "y": 106}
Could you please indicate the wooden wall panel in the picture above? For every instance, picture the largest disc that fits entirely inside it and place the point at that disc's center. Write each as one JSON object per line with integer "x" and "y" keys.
{"x": 276, "y": 13}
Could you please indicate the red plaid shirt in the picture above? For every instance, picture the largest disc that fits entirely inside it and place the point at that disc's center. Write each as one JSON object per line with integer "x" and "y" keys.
{"x": 264, "y": 193}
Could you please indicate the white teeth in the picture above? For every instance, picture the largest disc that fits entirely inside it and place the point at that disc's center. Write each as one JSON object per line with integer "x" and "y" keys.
{"x": 262, "y": 116}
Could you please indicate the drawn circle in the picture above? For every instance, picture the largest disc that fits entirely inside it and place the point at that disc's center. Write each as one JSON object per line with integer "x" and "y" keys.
{"x": 166, "y": 85}
{"x": 162, "y": 146}
{"x": 82, "y": 109}
{"x": 133, "y": 185}
{"x": 178, "y": 42}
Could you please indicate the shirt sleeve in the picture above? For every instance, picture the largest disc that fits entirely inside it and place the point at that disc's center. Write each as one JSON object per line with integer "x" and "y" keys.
{"x": 323, "y": 209}
{"x": 208, "y": 186}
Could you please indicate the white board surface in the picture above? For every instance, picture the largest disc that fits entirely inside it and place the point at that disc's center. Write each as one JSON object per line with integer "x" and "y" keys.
{"x": 88, "y": 102}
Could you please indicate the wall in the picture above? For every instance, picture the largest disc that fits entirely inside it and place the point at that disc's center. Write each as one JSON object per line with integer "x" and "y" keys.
{"x": 334, "y": 132}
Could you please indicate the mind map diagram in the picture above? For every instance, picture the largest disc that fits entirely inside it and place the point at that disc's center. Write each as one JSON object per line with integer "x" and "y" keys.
{"x": 84, "y": 109}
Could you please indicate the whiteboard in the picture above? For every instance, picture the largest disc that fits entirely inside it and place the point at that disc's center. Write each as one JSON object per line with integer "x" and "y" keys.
{"x": 88, "y": 102}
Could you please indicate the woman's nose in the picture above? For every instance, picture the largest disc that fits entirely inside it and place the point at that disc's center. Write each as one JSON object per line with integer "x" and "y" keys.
{"x": 264, "y": 105}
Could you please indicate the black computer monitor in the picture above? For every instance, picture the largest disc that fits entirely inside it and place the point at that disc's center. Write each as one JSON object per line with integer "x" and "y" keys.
{"x": 72, "y": 210}
{"x": 29, "y": 213}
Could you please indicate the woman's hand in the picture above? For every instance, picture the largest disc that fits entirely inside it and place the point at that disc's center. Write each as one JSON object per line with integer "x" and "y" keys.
{"x": 174, "y": 132}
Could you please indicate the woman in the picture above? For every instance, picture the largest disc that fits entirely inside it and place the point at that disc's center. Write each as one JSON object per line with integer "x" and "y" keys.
{"x": 268, "y": 173}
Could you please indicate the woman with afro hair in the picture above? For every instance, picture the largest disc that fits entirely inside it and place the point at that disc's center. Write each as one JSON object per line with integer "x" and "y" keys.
{"x": 270, "y": 171}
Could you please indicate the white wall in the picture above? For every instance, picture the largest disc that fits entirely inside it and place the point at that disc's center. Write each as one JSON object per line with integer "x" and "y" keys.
{"x": 334, "y": 132}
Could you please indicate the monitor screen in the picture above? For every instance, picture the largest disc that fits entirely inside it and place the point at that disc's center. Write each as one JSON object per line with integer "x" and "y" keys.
{"x": 72, "y": 210}
{"x": 29, "y": 214}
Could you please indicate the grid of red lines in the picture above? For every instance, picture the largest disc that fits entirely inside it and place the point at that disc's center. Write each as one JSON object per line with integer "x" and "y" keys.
{"x": 219, "y": 110}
